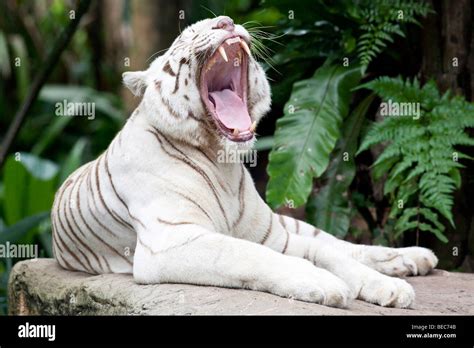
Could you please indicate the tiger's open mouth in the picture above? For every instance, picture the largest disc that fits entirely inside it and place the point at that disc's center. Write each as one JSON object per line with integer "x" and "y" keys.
{"x": 223, "y": 88}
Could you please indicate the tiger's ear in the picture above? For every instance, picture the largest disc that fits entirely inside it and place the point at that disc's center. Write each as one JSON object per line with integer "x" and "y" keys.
{"x": 135, "y": 81}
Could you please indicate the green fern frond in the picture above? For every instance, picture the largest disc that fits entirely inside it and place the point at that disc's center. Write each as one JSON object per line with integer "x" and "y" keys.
{"x": 421, "y": 155}
{"x": 381, "y": 20}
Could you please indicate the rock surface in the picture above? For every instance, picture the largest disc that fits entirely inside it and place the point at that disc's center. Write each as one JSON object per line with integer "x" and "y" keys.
{"x": 42, "y": 287}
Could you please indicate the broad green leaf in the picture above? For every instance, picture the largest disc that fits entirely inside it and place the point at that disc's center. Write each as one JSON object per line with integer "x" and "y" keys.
{"x": 329, "y": 208}
{"x": 17, "y": 231}
{"x": 307, "y": 133}
{"x": 73, "y": 160}
{"x": 101, "y": 101}
{"x": 15, "y": 178}
{"x": 38, "y": 168}
{"x": 30, "y": 184}
{"x": 50, "y": 134}
{"x": 45, "y": 236}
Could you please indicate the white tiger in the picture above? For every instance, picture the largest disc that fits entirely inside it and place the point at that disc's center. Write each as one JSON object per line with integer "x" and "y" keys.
{"x": 158, "y": 204}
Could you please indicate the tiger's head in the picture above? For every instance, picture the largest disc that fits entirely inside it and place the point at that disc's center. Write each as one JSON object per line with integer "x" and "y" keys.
{"x": 206, "y": 86}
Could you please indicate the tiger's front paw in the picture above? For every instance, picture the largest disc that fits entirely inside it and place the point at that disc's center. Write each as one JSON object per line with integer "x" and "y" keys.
{"x": 305, "y": 282}
{"x": 387, "y": 291}
{"x": 400, "y": 262}
{"x": 424, "y": 259}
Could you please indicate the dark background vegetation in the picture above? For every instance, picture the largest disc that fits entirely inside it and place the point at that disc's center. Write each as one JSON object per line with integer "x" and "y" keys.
{"x": 306, "y": 44}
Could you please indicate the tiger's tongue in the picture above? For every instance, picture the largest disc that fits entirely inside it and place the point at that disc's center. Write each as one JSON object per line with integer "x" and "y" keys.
{"x": 231, "y": 110}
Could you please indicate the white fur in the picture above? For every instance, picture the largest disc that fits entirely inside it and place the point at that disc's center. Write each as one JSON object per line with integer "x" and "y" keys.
{"x": 184, "y": 217}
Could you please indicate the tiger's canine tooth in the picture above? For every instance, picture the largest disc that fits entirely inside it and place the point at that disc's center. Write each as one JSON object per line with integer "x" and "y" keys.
{"x": 222, "y": 52}
{"x": 253, "y": 126}
{"x": 245, "y": 47}
{"x": 236, "y": 132}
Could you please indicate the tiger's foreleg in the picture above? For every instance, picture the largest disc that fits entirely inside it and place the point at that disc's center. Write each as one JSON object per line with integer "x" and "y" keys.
{"x": 368, "y": 284}
{"x": 180, "y": 251}
{"x": 390, "y": 261}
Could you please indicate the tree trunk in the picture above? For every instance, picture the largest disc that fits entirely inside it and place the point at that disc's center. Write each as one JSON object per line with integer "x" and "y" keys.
{"x": 154, "y": 26}
{"x": 448, "y": 57}
{"x": 94, "y": 32}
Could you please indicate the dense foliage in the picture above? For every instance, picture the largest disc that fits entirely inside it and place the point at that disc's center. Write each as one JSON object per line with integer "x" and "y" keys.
{"x": 421, "y": 160}
{"x": 349, "y": 35}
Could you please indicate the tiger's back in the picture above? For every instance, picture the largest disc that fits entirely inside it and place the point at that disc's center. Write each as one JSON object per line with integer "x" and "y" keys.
{"x": 91, "y": 230}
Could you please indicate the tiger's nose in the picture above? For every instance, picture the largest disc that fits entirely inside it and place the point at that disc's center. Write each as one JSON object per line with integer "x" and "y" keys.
{"x": 225, "y": 23}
